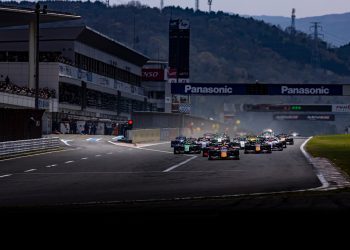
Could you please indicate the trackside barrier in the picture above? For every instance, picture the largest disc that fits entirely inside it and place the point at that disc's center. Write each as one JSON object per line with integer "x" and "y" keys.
{"x": 144, "y": 135}
{"x": 159, "y": 134}
{"x": 167, "y": 134}
{"x": 24, "y": 146}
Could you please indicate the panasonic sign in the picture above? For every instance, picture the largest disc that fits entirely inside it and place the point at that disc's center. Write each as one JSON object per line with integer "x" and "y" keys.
{"x": 256, "y": 89}
{"x": 208, "y": 90}
{"x": 285, "y": 90}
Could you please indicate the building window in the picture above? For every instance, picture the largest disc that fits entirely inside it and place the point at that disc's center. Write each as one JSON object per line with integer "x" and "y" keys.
{"x": 107, "y": 70}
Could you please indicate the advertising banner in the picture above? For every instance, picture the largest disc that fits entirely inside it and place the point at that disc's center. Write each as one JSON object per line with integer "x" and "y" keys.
{"x": 341, "y": 108}
{"x": 152, "y": 74}
{"x": 178, "y": 103}
{"x": 305, "y": 117}
{"x": 257, "y": 89}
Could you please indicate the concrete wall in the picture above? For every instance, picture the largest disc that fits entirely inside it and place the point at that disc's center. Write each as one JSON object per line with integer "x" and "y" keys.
{"x": 155, "y": 135}
{"x": 144, "y": 135}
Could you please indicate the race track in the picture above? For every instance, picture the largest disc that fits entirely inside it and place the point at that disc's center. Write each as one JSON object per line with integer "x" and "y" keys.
{"x": 94, "y": 170}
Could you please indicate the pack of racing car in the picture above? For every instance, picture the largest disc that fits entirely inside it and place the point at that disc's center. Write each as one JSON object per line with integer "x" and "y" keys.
{"x": 222, "y": 147}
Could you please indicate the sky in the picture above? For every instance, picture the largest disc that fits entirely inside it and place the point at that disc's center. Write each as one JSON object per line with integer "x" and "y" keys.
{"x": 304, "y": 8}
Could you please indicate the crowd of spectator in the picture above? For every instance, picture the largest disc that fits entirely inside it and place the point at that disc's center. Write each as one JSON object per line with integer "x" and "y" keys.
{"x": 8, "y": 87}
{"x": 64, "y": 60}
{"x": 44, "y": 57}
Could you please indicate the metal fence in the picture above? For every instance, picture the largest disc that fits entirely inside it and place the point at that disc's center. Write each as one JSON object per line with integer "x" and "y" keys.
{"x": 24, "y": 146}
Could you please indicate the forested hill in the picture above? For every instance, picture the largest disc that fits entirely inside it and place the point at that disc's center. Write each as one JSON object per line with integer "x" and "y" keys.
{"x": 224, "y": 47}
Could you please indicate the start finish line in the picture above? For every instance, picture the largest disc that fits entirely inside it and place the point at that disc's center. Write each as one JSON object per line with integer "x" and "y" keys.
{"x": 260, "y": 89}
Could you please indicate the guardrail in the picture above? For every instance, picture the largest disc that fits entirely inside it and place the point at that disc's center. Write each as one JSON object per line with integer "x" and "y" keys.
{"x": 10, "y": 148}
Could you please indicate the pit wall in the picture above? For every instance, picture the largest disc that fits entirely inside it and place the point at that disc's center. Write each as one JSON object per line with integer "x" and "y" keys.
{"x": 192, "y": 125}
{"x": 159, "y": 134}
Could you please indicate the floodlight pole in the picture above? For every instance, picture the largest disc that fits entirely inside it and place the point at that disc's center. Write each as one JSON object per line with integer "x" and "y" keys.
{"x": 37, "y": 12}
{"x": 37, "y": 52}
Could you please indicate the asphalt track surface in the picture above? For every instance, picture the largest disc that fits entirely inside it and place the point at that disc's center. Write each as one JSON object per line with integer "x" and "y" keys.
{"x": 95, "y": 171}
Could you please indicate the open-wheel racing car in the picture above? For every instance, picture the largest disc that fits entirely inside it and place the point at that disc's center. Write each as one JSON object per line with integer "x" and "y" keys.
{"x": 189, "y": 146}
{"x": 178, "y": 140}
{"x": 275, "y": 143}
{"x": 257, "y": 146}
{"x": 225, "y": 151}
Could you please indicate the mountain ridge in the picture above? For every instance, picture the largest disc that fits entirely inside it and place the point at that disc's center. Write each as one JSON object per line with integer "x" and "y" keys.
{"x": 335, "y": 26}
{"x": 224, "y": 47}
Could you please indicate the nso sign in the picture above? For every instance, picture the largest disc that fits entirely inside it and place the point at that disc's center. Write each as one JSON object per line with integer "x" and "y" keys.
{"x": 257, "y": 89}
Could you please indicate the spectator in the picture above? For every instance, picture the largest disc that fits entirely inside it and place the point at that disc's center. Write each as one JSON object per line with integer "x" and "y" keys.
{"x": 8, "y": 87}
{"x": 7, "y": 80}
{"x": 93, "y": 129}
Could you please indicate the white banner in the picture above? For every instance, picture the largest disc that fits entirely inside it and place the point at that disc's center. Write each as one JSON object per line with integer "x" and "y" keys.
{"x": 181, "y": 80}
{"x": 70, "y": 71}
{"x": 341, "y": 108}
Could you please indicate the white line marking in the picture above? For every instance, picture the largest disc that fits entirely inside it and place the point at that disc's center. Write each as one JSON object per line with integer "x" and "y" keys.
{"x": 97, "y": 155}
{"x": 122, "y": 145}
{"x": 225, "y": 196}
{"x": 49, "y": 166}
{"x": 109, "y": 153}
{"x": 154, "y": 144}
{"x": 66, "y": 142}
{"x": 141, "y": 172}
{"x": 67, "y": 162}
{"x": 94, "y": 139}
{"x": 30, "y": 170}
{"x": 6, "y": 175}
{"x": 155, "y": 150}
{"x": 85, "y": 158}
{"x": 319, "y": 175}
{"x": 180, "y": 164}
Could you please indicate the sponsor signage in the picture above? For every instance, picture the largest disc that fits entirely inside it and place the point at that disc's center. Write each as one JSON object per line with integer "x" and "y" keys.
{"x": 44, "y": 104}
{"x": 180, "y": 80}
{"x": 305, "y": 117}
{"x": 257, "y": 89}
{"x": 185, "y": 108}
{"x": 92, "y": 78}
{"x": 152, "y": 74}
{"x": 182, "y": 74}
{"x": 287, "y": 108}
{"x": 341, "y": 108}
{"x": 179, "y": 103}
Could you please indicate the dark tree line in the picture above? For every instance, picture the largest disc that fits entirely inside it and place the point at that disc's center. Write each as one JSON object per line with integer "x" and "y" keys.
{"x": 224, "y": 47}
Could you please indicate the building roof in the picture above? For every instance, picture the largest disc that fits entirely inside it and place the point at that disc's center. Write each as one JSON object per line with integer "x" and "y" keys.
{"x": 10, "y": 16}
{"x": 97, "y": 40}
{"x": 83, "y": 34}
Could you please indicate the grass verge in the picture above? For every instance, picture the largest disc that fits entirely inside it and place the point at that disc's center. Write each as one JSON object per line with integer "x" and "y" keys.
{"x": 335, "y": 148}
